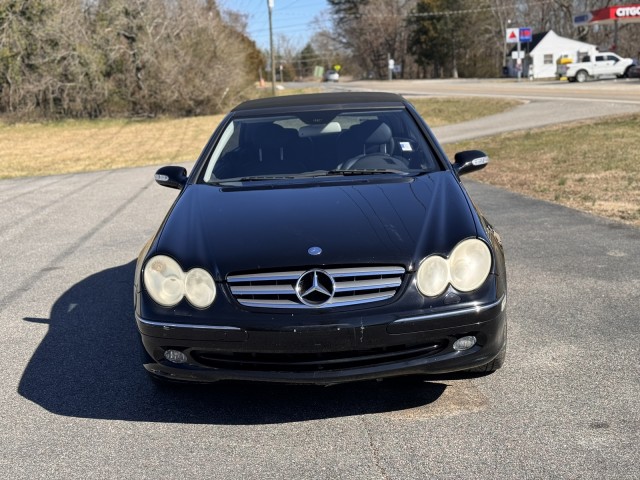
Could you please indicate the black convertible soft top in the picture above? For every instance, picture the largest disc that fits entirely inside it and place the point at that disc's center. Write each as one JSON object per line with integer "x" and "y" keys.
{"x": 321, "y": 99}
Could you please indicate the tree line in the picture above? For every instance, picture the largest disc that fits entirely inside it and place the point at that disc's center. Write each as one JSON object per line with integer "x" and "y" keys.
{"x": 93, "y": 58}
{"x": 96, "y": 58}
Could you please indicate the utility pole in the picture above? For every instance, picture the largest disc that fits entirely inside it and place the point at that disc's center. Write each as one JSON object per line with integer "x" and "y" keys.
{"x": 519, "y": 65}
{"x": 273, "y": 63}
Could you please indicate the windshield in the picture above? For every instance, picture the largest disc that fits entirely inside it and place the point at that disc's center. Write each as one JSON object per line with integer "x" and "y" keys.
{"x": 309, "y": 144}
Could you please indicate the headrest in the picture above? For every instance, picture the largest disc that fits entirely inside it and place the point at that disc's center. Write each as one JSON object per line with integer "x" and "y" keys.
{"x": 380, "y": 134}
{"x": 372, "y": 132}
{"x": 267, "y": 135}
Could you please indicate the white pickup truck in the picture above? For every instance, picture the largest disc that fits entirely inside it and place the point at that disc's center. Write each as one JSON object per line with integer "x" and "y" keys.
{"x": 594, "y": 66}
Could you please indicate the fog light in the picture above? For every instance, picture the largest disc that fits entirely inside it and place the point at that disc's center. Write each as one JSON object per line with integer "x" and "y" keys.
{"x": 175, "y": 356}
{"x": 464, "y": 343}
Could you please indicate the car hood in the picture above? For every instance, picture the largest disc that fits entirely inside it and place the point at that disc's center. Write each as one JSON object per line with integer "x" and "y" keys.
{"x": 373, "y": 221}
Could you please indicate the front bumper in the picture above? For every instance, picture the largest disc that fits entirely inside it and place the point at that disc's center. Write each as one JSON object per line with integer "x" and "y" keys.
{"x": 354, "y": 348}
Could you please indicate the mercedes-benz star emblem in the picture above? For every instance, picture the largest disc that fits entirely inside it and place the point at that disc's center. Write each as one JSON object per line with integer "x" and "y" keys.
{"x": 315, "y": 288}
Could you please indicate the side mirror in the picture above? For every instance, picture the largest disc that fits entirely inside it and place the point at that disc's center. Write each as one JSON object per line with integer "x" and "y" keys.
{"x": 470, "y": 161}
{"x": 172, "y": 177}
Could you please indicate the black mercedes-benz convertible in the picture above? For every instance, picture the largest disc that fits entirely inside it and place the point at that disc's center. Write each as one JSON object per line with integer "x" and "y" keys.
{"x": 320, "y": 239}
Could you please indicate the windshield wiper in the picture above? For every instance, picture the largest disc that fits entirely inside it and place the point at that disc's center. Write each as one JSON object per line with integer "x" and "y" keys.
{"x": 314, "y": 174}
{"x": 255, "y": 178}
{"x": 369, "y": 171}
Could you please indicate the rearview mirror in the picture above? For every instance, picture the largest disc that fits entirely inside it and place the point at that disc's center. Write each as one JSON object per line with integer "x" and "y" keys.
{"x": 172, "y": 177}
{"x": 469, "y": 161}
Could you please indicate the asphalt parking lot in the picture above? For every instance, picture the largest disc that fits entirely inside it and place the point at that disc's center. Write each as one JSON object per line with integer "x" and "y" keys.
{"x": 76, "y": 404}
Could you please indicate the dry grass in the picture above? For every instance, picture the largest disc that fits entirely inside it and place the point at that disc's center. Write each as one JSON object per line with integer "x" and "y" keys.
{"x": 591, "y": 166}
{"x": 445, "y": 111}
{"x": 81, "y": 146}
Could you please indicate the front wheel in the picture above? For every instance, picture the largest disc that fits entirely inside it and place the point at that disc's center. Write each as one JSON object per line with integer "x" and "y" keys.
{"x": 581, "y": 76}
{"x": 494, "y": 364}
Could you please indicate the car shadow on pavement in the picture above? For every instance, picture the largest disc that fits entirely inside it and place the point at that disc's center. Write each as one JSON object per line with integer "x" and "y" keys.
{"x": 88, "y": 366}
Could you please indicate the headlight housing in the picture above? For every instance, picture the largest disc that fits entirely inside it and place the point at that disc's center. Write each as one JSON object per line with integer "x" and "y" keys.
{"x": 168, "y": 284}
{"x": 199, "y": 287}
{"x": 465, "y": 269}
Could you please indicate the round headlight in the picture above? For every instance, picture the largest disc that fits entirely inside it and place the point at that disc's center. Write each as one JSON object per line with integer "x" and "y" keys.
{"x": 469, "y": 264}
{"x": 200, "y": 288}
{"x": 433, "y": 276}
{"x": 164, "y": 280}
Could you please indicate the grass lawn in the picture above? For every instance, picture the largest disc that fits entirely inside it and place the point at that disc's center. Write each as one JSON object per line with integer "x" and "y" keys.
{"x": 87, "y": 145}
{"x": 445, "y": 111}
{"x": 591, "y": 166}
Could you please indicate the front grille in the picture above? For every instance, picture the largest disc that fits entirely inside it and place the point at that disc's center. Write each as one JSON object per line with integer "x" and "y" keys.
{"x": 353, "y": 286}
{"x": 299, "y": 362}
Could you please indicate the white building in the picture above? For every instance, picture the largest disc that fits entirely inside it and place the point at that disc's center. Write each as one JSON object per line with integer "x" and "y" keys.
{"x": 544, "y": 50}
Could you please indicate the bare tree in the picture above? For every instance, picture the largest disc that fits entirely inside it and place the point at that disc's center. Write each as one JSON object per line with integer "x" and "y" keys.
{"x": 374, "y": 31}
{"x": 120, "y": 57}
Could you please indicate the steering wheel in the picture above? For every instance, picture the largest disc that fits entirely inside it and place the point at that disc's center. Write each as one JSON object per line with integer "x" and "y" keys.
{"x": 372, "y": 161}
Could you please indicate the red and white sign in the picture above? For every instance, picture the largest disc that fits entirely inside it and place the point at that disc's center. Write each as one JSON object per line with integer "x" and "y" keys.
{"x": 628, "y": 11}
{"x": 608, "y": 15}
{"x": 513, "y": 35}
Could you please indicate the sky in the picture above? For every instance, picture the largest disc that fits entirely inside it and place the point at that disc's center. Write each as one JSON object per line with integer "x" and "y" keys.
{"x": 292, "y": 18}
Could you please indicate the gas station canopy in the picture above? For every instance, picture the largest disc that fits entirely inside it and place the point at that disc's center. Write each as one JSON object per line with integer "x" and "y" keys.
{"x": 610, "y": 15}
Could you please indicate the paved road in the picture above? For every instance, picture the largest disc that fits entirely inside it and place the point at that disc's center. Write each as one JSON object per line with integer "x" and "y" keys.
{"x": 619, "y": 90}
{"x": 75, "y": 404}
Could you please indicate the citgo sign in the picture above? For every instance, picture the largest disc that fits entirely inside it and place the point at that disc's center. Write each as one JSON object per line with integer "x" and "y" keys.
{"x": 628, "y": 11}
{"x": 609, "y": 15}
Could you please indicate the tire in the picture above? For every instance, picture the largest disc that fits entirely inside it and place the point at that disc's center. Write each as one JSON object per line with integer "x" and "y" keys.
{"x": 626, "y": 73}
{"x": 497, "y": 362}
{"x": 493, "y": 365}
{"x": 582, "y": 76}
{"x": 571, "y": 79}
